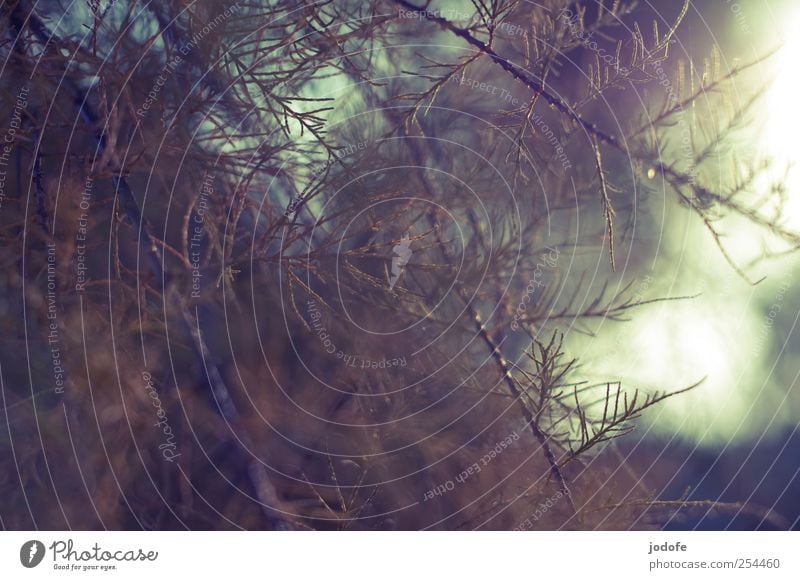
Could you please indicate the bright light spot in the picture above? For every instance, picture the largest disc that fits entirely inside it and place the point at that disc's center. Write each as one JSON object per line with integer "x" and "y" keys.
{"x": 782, "y": 123}
{"x": 673, "y": 347}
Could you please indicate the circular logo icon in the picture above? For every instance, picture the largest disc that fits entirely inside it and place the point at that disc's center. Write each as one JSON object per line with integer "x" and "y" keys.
{"x": 31, "y": 553}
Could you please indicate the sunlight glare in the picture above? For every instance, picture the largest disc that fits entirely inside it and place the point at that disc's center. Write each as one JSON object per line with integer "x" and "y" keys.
{"x": 782, "y": 123}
